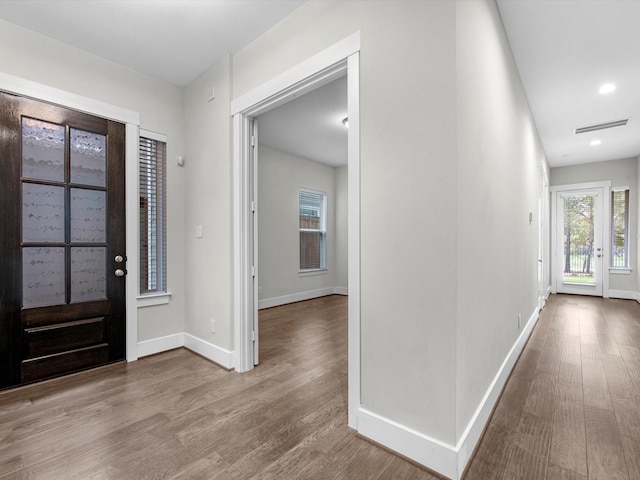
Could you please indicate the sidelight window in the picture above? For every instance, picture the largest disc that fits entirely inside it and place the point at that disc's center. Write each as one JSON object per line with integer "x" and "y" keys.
{"x": 153, "y": 205}
{"x": 620, "y": 228}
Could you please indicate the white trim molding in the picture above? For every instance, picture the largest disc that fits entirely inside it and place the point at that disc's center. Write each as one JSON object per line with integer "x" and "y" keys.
{"x": 153, "y": 299}
{"x": 623, "y": 294}
{"x": 301, "y": 296}
{"x": 27, "y": 88}
{"x": 558, "y": 190}
{"x": 445, "y": 459}
{"x": 342, "y": 58}
{"x": 160, "y": 344}
{"x": 478, "y": 422}
{"x": 212, "y": 352}
{"x": 291, "y": 82}
{"x": 437, "y": 456}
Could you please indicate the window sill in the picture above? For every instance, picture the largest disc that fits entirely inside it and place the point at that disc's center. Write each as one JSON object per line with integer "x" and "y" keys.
{"x": 310, "y": 273}
{"x": 620, "y": 271}
{"x": 153, "y": 299}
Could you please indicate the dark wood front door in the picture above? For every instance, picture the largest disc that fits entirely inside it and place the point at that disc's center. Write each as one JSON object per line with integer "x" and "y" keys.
{"x": 62, "y": 241}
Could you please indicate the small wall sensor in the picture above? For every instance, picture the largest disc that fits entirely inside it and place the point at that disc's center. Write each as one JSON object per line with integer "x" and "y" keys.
{"x": 180, "y": 161}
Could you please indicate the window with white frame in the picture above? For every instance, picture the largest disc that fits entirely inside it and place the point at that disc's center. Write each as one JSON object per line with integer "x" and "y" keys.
{"x": 313, "y": 230}
{"x": 153, "y": 206}
{"x": 620, "y": 228}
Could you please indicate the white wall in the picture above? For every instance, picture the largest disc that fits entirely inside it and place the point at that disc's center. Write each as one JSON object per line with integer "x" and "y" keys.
{"x": 499, "y": 154}
{"x": 34, "y": 57}
{"x": 621, "y": 173}
{"x": 280, "y": 177}
{"x": 207, "y": 168}
{"x": 408, "y": 151}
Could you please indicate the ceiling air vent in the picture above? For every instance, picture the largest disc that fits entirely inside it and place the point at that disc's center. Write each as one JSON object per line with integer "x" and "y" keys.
{"x": 601, "y": 126}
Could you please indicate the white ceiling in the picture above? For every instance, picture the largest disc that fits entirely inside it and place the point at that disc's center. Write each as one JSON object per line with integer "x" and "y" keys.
{"x": 310, "y": 126}
{"x": 174, "y": 40}
{"x": 177, "y": 40}
{"x": 565, "y": 50}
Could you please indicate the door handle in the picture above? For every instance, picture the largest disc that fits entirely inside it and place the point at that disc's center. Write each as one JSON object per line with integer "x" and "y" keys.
{"x": 120, "y": 272}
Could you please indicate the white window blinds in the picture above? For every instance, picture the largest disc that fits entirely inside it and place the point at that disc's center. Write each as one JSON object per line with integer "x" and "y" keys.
{"x": 620, "y": 228}
{"x": 313, "y": 230}
{"x": 153, "y": 238}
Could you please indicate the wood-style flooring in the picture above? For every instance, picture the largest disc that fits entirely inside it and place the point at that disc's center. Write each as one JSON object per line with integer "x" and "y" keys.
{"x": 570, "y": 410}
{"x": 178, "y": 416}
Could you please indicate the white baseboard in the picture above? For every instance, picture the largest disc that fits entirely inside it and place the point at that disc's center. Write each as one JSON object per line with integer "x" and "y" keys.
{"x": 476, "y": 425}
{"x": 638, "y": 297}
{"x": 210, "y": 351}
{"x": 161, "y": 344}
{"x": 340, "y": 291}
{"x": 301, "y": 296}
{"x": 625, "y": 294}
{"x": 433, "y": 454}
{"x": 440, "y": 457}
{"x": 222, "y": 357}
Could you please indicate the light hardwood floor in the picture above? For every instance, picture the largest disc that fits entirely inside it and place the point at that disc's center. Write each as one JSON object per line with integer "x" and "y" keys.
{"x": 571, "y": 409}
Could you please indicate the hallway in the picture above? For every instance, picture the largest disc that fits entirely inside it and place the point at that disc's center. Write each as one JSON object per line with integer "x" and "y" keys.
{"x": 571, "y": 408}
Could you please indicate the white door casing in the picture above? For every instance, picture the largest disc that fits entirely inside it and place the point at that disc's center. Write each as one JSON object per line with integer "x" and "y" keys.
{"x": 328, "y": 65}
{"x": 562, "y": 281}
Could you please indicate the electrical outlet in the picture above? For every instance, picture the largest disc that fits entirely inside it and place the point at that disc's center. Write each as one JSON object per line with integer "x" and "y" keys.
{"x": 212, "y": 325}
{"x": 519, "y": 321}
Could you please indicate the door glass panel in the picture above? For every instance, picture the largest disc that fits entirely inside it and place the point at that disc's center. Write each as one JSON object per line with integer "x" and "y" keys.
{"x": 42, "y": 213}
{"x": 579, "y": 216}
{"x": 88, "y": 273}
{"x": 88, "y": 158}
{"x": 43, "y": 279}
{"x": 88, "y": 215}
{"x": 42, "y": 150}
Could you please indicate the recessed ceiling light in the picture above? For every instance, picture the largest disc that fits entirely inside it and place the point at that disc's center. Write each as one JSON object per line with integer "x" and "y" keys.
{"x": 594, "y": 143}
{"x": 607, "y": 88}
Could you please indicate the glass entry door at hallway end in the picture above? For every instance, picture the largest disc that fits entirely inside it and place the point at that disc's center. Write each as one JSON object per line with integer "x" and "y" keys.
{"x": 579, "y": 245}
{"x": 62, "y": 288}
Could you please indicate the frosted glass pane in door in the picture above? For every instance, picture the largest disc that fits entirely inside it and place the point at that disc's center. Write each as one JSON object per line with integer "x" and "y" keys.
{"x": 43, "y": 280}
{"x": 42, "y": 150}
{"x": 88, "y": 215}
{"x": 42, "y": 213}
{"x": 88, "y": 158}
{"x": 88, "y": 273}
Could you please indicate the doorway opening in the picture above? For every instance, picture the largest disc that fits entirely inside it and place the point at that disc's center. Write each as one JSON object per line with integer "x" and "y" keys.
{"x": 301, "y": 168}
{"x": 319, "y": 70}
{"x": 580, "y": 239}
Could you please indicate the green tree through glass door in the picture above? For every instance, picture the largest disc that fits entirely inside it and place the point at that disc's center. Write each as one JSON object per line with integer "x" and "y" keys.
{"x": 579, "y": 239}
